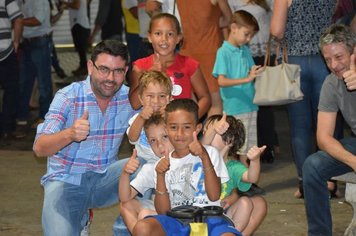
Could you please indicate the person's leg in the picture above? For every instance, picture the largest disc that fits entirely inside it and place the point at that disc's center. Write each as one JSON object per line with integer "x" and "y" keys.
{"x": 258, "y": 213}
{"x": 27, "y": 78}
{"x": 41, "y": 58}
{"x": 129, "y": 212}
{"x": 9, "y": 72}
{"x": 317, "y": 170}
{"x": 132, "y": 211}
{"x": 302, "y": 114}
{"x": 132, "y": 41}
{"x": 148, "y": 227}
{"x": 64, "y": 207}
{"x": 80, "y": 39}
{"x": 240, "y": 212}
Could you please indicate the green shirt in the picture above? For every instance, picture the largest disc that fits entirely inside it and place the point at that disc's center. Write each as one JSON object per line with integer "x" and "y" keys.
{"x": 235, "y": 169}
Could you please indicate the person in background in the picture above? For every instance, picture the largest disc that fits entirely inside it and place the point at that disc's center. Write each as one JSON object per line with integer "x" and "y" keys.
{"x": 144, "y": 48}
{"x": 261, "y": 10}
{"x": 202, "y": 23}
{"x": 188, "y": 82}
{"x": 132, "y": 29}
{"x": 166, "y": 6}
{"x": 80, "y": 29}
{"x": 109, "y": 20}
{"x": 81, "y": 136}
{"x": 235, "y": 71}
{"x": 10, "y": 22}
{"x": 336, "y": 157}
{"x": 55, "y": 61}
{"x": 301, "y": 23}
{"x": 35, "y": 63}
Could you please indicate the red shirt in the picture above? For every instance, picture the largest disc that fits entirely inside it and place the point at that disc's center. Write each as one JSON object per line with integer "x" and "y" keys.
{"x": 180, "y": 72}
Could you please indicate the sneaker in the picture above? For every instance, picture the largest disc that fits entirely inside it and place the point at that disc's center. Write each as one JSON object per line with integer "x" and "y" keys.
{"x": 80, "y": 71}
{"x": 21, "y": 129}
{"x": 86, "y": 230}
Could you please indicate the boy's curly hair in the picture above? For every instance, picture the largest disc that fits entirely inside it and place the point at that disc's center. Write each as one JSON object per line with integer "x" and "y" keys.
{"x": 235, "y": 134}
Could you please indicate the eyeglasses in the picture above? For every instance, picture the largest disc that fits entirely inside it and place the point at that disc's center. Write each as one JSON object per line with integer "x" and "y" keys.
{"x": 105, "y": 71}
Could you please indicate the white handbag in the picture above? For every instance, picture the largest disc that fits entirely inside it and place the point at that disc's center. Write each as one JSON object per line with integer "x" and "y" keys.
{"x": 279, "y": 84}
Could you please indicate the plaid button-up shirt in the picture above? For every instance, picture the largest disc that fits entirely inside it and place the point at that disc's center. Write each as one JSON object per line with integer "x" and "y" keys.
{"x": 107, "y": 129}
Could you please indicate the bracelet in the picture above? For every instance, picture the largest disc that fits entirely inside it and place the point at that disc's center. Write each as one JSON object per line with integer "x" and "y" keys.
{"x": 161, "y": 193}
{"x": 208, "y": 168}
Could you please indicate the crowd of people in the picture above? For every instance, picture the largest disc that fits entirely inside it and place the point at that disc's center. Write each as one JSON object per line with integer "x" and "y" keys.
{"x": 181, "y": 89}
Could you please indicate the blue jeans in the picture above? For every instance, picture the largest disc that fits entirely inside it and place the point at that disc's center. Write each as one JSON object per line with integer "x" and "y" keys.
{"x": 35, "y": 63}
{"x": 317, "y": 170}
{"x": 303, "y": 114}
{"x": 66, "y": 205}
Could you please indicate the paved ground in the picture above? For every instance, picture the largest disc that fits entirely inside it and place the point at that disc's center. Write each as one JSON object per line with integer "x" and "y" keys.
{"x": 21, "y": 194}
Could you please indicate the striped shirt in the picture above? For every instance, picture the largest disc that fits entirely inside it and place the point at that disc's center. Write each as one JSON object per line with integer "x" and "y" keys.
{"x": 107, "y": 129}
{"x": 9, "y": 11}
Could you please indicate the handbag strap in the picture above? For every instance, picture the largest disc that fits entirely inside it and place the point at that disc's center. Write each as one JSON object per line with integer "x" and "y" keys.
{"x": 279, "y": 43}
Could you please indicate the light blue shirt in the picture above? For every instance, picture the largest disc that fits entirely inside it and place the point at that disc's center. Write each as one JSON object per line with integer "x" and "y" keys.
{"x": 41, "y": 11}
{"x": 107, "y": 129}
{"x": 235, "y": 63}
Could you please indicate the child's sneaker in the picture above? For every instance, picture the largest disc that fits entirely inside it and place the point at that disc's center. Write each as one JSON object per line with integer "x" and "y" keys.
{"x": 86, "y": 229}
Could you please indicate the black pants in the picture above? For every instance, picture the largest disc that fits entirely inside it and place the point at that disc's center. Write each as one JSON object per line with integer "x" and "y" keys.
{"x": 9, "y": 81}
{"x": 80, "y": 39}
{"x": 266, "y": 133}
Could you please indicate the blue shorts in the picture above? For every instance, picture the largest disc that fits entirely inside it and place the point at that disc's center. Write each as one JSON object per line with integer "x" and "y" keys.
{"x": 217, "y": 225}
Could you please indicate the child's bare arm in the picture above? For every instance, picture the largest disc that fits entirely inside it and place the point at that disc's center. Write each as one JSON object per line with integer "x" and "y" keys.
{"x": 212, "y": 181}
{"x": 229, "y": 200}
{"x": 137, "y": 125}
{"x": 253, "y": 173}
{"x": 162, "y": 201}
{"x": 218, "y": 127}
{"x": 133, "y": 93}
{"x": 201, "y": 91}
{"x": 223, "y": 81}
{"x": 126, "y": 192}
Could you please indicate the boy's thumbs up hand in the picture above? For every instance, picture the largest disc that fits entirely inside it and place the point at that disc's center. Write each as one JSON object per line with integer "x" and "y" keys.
{"x": 80, "y": 128}
{"x": 163, "y": 165}
{"x": 350, "y": 75}
{"x": 195, "y": 147}
{"x": 222, "y": 125}
{"x": 132, "y": 164}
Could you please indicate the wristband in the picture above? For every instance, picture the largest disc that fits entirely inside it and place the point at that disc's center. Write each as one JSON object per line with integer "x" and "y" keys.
{"x": 208, "y": 168}
{"x": 161, "y": 193}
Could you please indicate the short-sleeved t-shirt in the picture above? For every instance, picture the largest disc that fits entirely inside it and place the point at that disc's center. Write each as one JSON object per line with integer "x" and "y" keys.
{"x": 185, "y": 179}
{"x": 235, "y": 63}
{"x": 235, "y": 169}
{"x": 180, "y": 73}
{"x": 335, "y": 96}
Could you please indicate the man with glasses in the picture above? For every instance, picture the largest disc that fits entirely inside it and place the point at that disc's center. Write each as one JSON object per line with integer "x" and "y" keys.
{"x": 81, "y": 136}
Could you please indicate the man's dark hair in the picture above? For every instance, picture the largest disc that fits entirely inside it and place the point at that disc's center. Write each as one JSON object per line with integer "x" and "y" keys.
{"x": 184, "y": 104}
{"x": 111, "y": 47}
